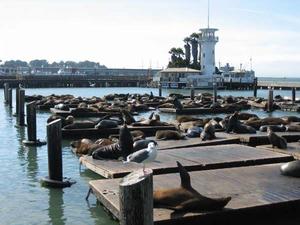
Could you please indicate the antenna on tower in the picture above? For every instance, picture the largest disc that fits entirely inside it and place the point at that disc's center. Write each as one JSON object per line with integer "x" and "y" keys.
{"x": 207, "y": 13}
{"x": 251, "y": 63}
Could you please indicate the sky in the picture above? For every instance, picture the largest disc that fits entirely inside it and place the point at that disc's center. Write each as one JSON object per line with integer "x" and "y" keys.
{"x": 139, "y": 33}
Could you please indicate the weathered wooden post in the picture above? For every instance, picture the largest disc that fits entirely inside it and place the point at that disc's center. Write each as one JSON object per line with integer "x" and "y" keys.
{"x": 31, "y": 126}
{"x": 17, "y": 100}
{"x": 21, "y": 118}
{"x": 192, "y": 92}
{"x": 136, "y": 198}
{"x": 270, "y": 100}
{"x": 159, "y": 90}
{"x": 6, "y": 87}
{"x": 255, "y": 87}
{"x": 230, "y": 85}
{"x": 55, "y": 169}
{"x": 215, "y": 90}
{"x": 9, "y": 97}
{"x": 294, "y": 94}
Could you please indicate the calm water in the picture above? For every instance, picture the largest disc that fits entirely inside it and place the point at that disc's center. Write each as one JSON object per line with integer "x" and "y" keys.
{"x": 24, "y": 201}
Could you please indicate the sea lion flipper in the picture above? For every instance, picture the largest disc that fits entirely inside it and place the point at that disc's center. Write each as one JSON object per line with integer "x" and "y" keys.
{"x": 184, "y": 176}
{"x": 188, "y": 204}
{"x": 151, "y": 116}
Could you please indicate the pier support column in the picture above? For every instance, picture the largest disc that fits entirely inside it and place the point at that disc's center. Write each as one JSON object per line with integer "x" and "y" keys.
{"x": 294, "y": 95}
{"x": 136, "y": 198}
{"x": 9, "y": 97}
{"x": 31, "y": 126}
{"x": 159, "y": 90}
{"x": 17, "y": 100}
{"x": 255, "y": 87}
{"x": 215, "y": 92}
{"x": 6, "y": 87}
{"x": 55, "y": 168}
{"x": 21, "y": 120}
{"x": 192, "y": 92}
{"x": 270, "y": 100}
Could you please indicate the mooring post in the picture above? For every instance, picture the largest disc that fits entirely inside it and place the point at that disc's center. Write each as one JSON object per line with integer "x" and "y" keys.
{"x": 255, "y": 87}
{"x": 21, "y": 119}
{"x": 17, "y": 100}
{"x": 159, "y": 90}
{"x": 136, "y": 198}
{"x": 230, "y": 84}
{"x": 31, "y": 126}
{"x": 6, "y": 87}
{"x": 215, "y": 90}
{"x": 55, "y": 169}
{"x": 294, "y": 94}
{"x": 270, "y": 100}
{"x": 9, "y": 97}
{"x": 192, "y": 92}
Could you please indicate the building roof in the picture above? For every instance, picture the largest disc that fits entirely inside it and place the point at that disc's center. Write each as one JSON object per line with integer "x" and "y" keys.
{"x": 180, "y": 70}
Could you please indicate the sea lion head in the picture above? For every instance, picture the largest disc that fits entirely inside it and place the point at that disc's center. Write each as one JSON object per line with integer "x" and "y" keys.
{"x": 70, "y": 119}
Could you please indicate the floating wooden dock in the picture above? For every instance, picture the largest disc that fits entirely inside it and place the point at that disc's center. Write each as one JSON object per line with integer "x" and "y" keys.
{"x": 293, "y": 148}
{"x": 256, "y": 190}
{"x": 260, "y": 138}
{"x": 194, "y": 142}
{"x": 76, "y": 113}
{"x": 190, "y": 111}
{"x": 101, "y": 133}
{"x": 197, "y": 158}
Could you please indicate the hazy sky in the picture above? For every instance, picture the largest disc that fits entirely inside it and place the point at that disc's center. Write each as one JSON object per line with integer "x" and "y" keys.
{"x": 137, "y": 33}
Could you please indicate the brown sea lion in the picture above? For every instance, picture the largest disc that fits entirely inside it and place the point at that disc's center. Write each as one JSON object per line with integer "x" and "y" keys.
{"x": 237, "y": 127}
{"x": 86, "y": 146}
{"x": 168, "y": 135}
{"x": 127, "y": 117}
{"x": 275, "y": 140}
{"x": 182, "y": 119}
{"x": 106, "y": 123}
{"x": 186, "y": 198}
{"x": 208, "y": 132}
{"x": 293, "y": 128}
{"x": 290, "y": 119}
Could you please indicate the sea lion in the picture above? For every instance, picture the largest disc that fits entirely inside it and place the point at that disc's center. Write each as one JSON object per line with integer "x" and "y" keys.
{"x": 275, "y": 140}
{"x": 186, "y": 198}
{"x": 80, "y": 125}
{"x": 182, "y": 119}
{"x": 293, "y": 128}
{"x": 141, "y": 144}
{"x": 137, "y": 134}
{"x": 208, "y": 132}
{"x": 127, "y": 117}
{"x": 62, "y": 106}
{"x": 106, "y": 124}
{"x": 114, "y": 151}
{"x": 235, "y": 126}
{"x": 86, "y": 146}
{"x": 275, "y": 128}
{"x": 177, "y": 104}
{"x": 290, "y": 119}
{"x": 64, "y": 121}
{"x": 291, "y": 169}
{"x": 168, "y": 135}
{"x": 194, "y": 131}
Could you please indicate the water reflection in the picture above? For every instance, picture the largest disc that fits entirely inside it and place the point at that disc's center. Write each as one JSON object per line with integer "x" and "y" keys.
{"x": 21, "y": 149}
{"x": 56, "y": 207}
{"x": 32, "y": 165}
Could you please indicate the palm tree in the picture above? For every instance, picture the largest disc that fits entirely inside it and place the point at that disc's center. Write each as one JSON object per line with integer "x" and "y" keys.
{"x": 187, "y": 49}
{"x": 173, "y": 52}
{"x": 194, "y": 42}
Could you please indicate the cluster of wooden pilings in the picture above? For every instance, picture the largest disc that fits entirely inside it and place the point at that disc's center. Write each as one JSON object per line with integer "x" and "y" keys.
{"x": 54, "y": 137}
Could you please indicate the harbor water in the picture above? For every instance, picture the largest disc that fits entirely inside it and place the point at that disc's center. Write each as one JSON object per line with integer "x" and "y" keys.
{"x": 24, "y": 201}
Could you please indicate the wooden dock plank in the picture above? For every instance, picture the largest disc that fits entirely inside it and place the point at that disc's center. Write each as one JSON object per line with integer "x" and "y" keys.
{"x": 186, "y": 111}
{"x": 255, "y": 189}
{"x": 260, "y": 138}
{"x": 100, "y": 133}
{"x": 73, "y": 112}
{"x": 293, "y": 148}
{"x": 196, "y": 158}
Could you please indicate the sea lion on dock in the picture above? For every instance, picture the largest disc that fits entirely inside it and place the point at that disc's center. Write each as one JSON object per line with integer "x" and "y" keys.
{"x": 64, "y": 121}
{"x": 293, "y": 128}
{"x": 194, "y": 131}
{"x": 182, "y": 119}
{"x": 237, "y": 127}
{"x": 168, "y": 135}
{"x": 123, "y": 148}
{"x": 290, "y": 119}
{"x": 177, "y": 104}
{"x": 291, "y": 169}
{"x": 86, "y": 146}
{"x": 186, "y": 198}
{"x": 104, "y": 124}
{"x": 208, "y": 132}
{"x": 127, "y": 117}
{"x": 275, "y": 128}
{"x": 141, "y": 144}
{"x": 275, "y": 140}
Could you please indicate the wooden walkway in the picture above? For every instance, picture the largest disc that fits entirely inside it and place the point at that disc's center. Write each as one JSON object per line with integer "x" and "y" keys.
{"x": 260, "y": 138}
{"x": 76, "y": 113}
{"x": 100, "y": 133}
{"x": 293, "y": 148}
{"x": 197, "y": 158}
{"x": 255, "y": 190}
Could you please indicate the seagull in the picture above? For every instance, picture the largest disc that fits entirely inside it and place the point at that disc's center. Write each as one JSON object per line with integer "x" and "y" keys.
{"x": 144, "y": 155}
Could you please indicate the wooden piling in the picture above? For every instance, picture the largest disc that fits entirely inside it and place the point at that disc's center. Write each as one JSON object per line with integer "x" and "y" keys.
{"x": 293, "y": 95}
{"x": 55, "y": 169}
{"x": 159, "y": 90}
{"x": 9, "y": 98}
{"x": 17, "y": 100}
{"x": 270, "y": 100}
{"x": 6, "y": 87}
{"x": 215, "y": 90}
{"x": 21, "y": 101}
{"x": 192, "y": 92}
{"x": 136, "y": 198}
{"x": 255, "y": 87}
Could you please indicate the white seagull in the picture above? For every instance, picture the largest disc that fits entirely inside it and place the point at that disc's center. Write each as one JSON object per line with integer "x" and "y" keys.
{"x": 144, "y": 155}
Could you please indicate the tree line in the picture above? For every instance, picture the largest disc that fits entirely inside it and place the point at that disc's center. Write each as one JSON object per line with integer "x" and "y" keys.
{"x": 44, "y": 63}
